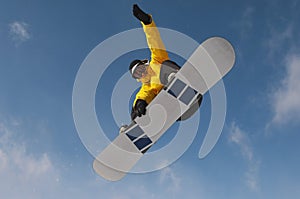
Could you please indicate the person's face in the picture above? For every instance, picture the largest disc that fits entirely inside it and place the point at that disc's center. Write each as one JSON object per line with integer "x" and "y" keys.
{"x": 141, "y": 72}
{"x": 145, "y": 78}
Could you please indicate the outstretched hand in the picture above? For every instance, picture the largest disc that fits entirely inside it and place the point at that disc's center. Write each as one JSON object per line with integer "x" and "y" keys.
{"x": 141, "y": 15}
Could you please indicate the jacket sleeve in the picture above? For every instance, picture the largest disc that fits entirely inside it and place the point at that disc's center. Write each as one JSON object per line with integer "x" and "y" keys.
{"x": 146, "y": 93}
{"x": 155, "y": 43}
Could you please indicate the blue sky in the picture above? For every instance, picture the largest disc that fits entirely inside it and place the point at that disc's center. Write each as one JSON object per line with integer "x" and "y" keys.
{"x": 42, "y": 45}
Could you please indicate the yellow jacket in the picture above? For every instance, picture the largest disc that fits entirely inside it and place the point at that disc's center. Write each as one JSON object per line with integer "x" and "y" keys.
{"x": 159, "y": 54}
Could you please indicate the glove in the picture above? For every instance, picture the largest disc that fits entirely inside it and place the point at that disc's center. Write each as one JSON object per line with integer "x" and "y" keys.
{"x": 139, "y": 109}
{"x": 141, "y": 15}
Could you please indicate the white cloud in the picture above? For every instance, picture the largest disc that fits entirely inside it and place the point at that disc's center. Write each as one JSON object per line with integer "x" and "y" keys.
{"x": 169, "y": 182}
{"x": 278, "y": 38}
{"x": 3, "y": 160}
{"x": 241, "y": 139}
{"x": 282, "y": 45}
{"x": 285, "y": 100}
{"x": 169, "y": 176}
{"x": 252, "y": 176}
{"x": 22, "y": 174}
{"x": 238, "y": 137}
{"x": 161, "y": 184}
{"x": 246, "y": 23}
{"x": 137, "y": 190}
{"x": 19, "y": 31}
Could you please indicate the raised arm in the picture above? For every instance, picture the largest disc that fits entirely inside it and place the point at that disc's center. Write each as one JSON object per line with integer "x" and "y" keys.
{"x": 155, "y": 43}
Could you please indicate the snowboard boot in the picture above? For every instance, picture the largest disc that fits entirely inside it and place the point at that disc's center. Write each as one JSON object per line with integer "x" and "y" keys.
{"x": 123, "y": 128}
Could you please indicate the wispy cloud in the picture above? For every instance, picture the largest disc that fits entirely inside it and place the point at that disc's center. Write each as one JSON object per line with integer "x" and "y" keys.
{"x": 23, "y": 174}
{"x": 246, "y": 23}
{"x": 241, "y": 139}
{"x": 168, "y": 176}
{"x": 285, "y": 100}
{"x": 278, "y": 38}
{"x": 19, "y": 32}
{"x": 283, "y": 49}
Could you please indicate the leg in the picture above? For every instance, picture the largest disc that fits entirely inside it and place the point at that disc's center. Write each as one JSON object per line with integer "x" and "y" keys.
{"x": 194, "y": 107}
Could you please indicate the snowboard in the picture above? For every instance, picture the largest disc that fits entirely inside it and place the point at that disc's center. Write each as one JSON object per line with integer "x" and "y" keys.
{"x": 208, "y": 64}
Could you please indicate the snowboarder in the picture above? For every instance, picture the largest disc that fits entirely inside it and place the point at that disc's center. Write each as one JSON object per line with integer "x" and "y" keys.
{"x": 150, "y": 73}
{"x": 145, "y": 71}
{"x": 179, "y": 101}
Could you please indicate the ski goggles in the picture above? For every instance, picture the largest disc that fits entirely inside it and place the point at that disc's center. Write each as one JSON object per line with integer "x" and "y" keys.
{"x": 139, "y": 69}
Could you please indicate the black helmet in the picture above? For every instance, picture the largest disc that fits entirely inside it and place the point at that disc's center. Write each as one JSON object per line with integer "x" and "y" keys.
{"x": 133, "y": 63}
